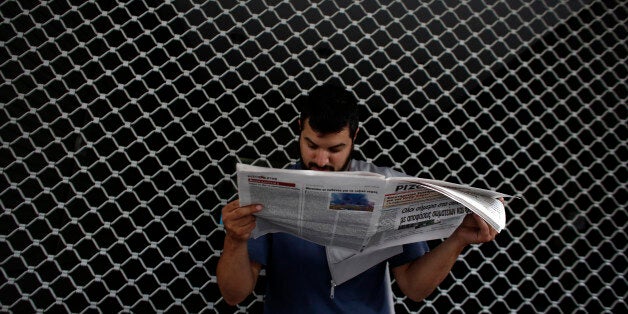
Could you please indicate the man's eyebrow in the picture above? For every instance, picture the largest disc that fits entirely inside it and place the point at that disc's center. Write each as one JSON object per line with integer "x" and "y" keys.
{"x": 333, "y": 147}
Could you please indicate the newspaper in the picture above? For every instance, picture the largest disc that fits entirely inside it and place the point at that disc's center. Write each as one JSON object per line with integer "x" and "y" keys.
{"x": 361, "y": 211}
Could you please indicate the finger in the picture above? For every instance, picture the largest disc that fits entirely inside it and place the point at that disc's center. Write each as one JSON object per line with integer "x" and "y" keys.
{"x": 481, "y": 223}
{"x": 231, "y": 206}
{"x": 244, "y": 211}
{"x": 235, "y": 224}
{"x": 484, "y": 229}
{"x": 244, "y": 222}
{"x": 249, "y": 209}
{"x": 249, "y": 226}
{"x": 241, "y": 232}
{"x": 469, "y": 220}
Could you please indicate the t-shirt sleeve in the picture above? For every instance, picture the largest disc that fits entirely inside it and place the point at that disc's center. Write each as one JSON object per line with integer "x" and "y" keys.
{"x": 411, "y": 251}
{"x": 259, "y": 248}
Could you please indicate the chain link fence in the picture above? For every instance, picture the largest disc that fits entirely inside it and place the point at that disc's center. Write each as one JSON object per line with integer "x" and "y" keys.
{"x": 122, "y": 122}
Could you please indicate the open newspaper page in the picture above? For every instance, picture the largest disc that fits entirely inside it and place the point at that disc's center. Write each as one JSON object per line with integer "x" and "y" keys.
{"x": 414, "y": 214}
{"x": 417, "y": 209}
{"x": 485, "y": 203}
{"x": 361, "y": 211}
{"x": 328, "y": 208}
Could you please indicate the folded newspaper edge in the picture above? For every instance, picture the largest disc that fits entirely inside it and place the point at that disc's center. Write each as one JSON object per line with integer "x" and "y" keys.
{"x": 362, "y": 218}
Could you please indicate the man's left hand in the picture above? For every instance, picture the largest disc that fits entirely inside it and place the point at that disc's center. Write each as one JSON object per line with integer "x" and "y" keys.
{"x": 474, "y": 230}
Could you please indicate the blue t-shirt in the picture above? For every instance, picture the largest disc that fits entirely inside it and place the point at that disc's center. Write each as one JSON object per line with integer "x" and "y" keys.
{"x": 298, "y": 278}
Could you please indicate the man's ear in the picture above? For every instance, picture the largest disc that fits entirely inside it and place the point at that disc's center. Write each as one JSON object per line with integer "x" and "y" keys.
{"x": 356, "y": 134}
{"x": 300, "y": 126}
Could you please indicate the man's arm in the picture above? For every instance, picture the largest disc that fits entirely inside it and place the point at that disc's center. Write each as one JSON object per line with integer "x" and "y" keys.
{"x": 419, "y": 278}
{"x": 235, "y": 273}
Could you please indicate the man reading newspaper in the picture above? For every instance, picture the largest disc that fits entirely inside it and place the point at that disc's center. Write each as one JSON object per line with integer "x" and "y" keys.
{"x": 297, "y": 271}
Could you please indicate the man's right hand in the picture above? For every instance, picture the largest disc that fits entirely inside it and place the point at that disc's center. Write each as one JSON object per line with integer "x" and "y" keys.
{"x": 239, "y": 221}
{"x": 236, "y": 273}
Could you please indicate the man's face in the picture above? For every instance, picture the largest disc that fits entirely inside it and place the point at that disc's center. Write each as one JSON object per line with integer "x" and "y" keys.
{"x": 326, "y": 152}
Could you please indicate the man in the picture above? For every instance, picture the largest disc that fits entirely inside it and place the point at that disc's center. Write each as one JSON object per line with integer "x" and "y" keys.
{"x": 298, "y": 277}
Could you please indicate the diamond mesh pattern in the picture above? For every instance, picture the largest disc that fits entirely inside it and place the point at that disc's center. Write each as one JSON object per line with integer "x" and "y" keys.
{"x": 121, "y": 124}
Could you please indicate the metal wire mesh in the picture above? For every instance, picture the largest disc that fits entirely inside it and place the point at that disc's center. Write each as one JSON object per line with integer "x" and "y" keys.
{"x": 121, "y": 124}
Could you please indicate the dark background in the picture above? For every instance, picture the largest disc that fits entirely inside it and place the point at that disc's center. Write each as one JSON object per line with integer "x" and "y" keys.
{"x": 121, "y": 124}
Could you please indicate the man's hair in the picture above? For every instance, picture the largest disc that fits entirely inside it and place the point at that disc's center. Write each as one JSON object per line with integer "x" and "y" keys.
{"x": 330, "y": 108}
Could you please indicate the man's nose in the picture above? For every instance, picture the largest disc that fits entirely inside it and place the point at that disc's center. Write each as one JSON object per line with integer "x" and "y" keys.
{"x": 321, "y": 158}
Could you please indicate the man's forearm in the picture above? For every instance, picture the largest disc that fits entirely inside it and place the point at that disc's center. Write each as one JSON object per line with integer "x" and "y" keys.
{"x": 235, "y": 274}
{"x": 419, "y": 278}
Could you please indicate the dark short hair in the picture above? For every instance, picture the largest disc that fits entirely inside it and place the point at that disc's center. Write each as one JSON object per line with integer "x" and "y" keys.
{"x": 330, "y": 108}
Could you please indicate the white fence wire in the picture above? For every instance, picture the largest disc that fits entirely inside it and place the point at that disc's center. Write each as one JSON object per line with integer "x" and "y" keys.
{"x": 121, "y": 123}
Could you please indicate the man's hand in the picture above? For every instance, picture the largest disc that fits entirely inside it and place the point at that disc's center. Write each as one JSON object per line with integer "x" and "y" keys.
{"x": 474, "y": 230}
{"x": 239, "y": 221}
{"x": 419, "y": 278}
{"x": 237, "y": 274}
